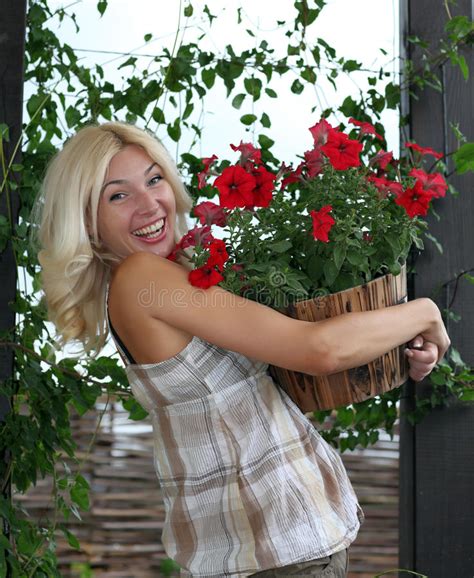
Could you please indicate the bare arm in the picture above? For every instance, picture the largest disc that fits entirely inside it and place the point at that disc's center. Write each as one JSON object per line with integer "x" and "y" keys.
{"x": 152, "y": 286}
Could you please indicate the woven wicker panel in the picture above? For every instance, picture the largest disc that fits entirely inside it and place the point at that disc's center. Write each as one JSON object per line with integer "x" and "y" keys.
{"x": 120, "y": 535}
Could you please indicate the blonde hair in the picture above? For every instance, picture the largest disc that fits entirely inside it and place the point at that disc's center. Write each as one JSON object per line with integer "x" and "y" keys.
{"x": 75, "y": 268}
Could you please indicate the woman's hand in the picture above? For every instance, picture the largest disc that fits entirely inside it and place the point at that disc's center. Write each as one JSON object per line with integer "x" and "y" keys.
{"x": 422, "y": 357}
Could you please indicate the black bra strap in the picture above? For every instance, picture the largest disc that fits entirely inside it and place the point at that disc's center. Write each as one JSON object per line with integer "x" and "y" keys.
{"x": 120, "y": 342}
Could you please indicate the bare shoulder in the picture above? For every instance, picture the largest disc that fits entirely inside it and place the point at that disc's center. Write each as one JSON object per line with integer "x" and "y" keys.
{"x": 140, "y": 275}
{"x": 132, "y": 300}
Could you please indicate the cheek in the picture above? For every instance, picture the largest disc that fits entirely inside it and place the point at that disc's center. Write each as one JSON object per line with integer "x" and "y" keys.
{"x": 108, "y": 224}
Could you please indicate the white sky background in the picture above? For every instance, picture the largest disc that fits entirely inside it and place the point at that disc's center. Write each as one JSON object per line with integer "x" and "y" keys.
{"x": 357, "y": 29}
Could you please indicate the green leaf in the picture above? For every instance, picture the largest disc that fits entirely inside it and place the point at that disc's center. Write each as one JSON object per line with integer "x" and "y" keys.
{"x": 208, "y": 76}
{"x": 355, "y": 257}
{"x": 464, "y": 158}
{"x": 102, "y": 6}
{"x": 80, "y": 496}
{"x": 137, "y": 413}
{"x": 73, "y": 116}
{"x": 345, "y": 416}
{"x": 174, "y": 130}
{"x": 349, "y": 107}
{"x": 281, "y": 246}
{"x": 392, "y": 95}
{"x": 351, "y": 65}
{"x": 265, "y": 120}
{"x": 271, "y": 93}
{"x": 315, "y": 267}
{"x": 148, "y": 37}
{"x": 394, "y": 268}
{"x": 81, "y": 481}
{"x": 455, "y": 357}
{"x": 4, "y": 132}
{"x": 72, "y": 540}
{"x": 168, "y": 567}
{"x": 340, "y": 255}
{"x": 238, "y": 100}
{"x": 309, "y": 75}
{"x": 438, "y": 378}
{"x": 248, "y": 119}
{"x": 188, "y": 11}
{"x": 158, "y": 115}
{"x": 129, "y": 62}
{"x": 253, "y": 86}
{"x": 265, "y": 142}
{"x": 467, "y": 395}
{"x": 297, "y": 87}
{"x": 463, "y": 66}
{"x": 330, "y": 272}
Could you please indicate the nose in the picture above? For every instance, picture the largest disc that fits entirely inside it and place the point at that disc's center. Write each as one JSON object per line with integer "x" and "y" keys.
{"x": 147, "y": 201}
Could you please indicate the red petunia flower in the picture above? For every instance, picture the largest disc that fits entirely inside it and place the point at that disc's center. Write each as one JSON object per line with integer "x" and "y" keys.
{"x": 320, "y": 132}
{"x": 207, "y": 162}
{"x": 342, "y": 151}
{"x": 385, "y": 186}
{"x": 314, "y": 162}
{"x": 433, "y": 183}
{"x": 423, "y": 150}
{"x": 204, "y": 277}
{"x": 196, "y": 236}
{"x": 381, "y": 159}
{"x": 217, "y": 254}
{"x": 322, "y": 223}
{"x": 265, "y": 183}
{"x": 415, "y": 200}
{"x": 294, "y": 176}
{"x": 248, "y": 154}
{"x": 210, "y": 214}
{"x": 365, "y": 128}
{"x": 235, "y": 186}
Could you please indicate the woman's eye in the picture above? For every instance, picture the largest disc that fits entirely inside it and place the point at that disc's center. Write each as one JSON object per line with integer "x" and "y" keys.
{"x": 155, "y": 180}
{"x": 116, "y": 196}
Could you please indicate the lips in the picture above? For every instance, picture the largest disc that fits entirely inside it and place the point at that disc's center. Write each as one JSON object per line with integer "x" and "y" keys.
{"x": 150, "y": 229}
{"x": 153, "y": 233}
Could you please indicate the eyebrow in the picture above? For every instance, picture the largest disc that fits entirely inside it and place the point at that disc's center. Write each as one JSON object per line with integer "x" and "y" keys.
{"x": 124, "y": 181}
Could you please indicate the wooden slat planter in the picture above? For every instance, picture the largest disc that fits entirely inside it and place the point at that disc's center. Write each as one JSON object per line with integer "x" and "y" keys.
{"x": 313, "y": 393}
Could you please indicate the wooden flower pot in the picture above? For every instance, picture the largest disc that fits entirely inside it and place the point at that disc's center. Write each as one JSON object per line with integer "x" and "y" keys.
{"x": 312, "y": 393}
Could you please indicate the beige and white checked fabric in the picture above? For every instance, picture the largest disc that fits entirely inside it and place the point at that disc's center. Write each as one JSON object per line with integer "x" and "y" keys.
{"x": 248, "y": 482}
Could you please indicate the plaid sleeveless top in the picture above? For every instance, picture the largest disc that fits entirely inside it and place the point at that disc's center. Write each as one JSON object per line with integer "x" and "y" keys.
{"x": 248, "y": 482}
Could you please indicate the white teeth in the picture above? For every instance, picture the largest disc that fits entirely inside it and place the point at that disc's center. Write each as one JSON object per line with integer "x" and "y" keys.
{"x": 151, "y": 229}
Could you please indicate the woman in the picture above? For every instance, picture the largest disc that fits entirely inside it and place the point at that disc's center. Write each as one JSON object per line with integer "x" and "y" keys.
{"x": 249, "y": 485}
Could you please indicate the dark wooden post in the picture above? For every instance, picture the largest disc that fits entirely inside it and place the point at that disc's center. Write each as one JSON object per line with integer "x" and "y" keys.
{"x": 436, "y": 458}
{"x": 12, "y": 41}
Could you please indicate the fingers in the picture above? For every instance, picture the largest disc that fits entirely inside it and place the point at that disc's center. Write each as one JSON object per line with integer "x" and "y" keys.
{"x": 417, "y": 342}
{"x": 427, "y": 355}
{"x": 422, "y": 361}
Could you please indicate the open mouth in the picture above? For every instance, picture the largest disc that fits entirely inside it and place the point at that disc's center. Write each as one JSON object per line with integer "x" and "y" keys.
{"x": 152, "y": 231}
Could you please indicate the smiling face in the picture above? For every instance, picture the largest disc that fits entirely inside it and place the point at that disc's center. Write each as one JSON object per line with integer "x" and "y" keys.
{"x": 137, "y": 207}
